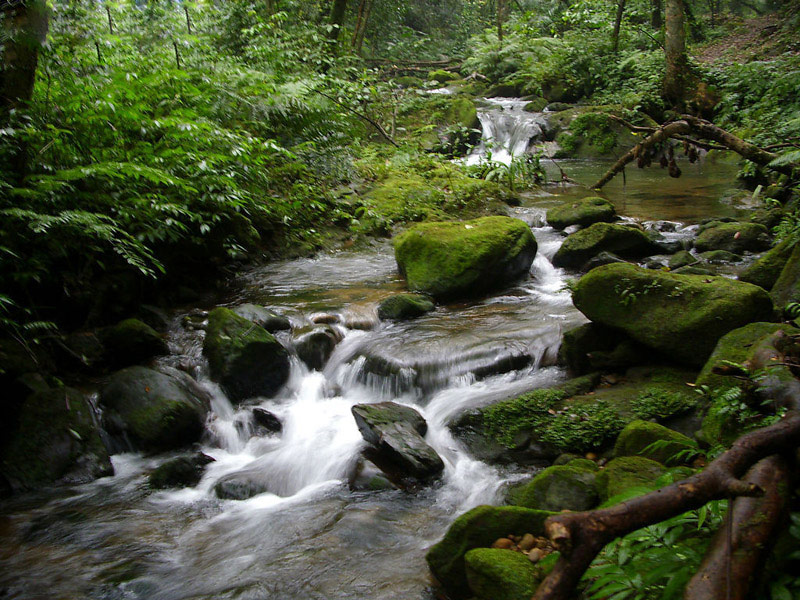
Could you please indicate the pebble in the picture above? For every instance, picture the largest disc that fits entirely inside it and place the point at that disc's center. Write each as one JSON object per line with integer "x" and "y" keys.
{"x": 527, "y": 542}
{"x": 503, "y": 544}
{"x": 591, "y": 456}
{"x": 535, "y": 555}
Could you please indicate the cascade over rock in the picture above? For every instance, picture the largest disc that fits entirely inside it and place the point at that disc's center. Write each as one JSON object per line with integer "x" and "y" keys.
{"x": 462, "y": 259}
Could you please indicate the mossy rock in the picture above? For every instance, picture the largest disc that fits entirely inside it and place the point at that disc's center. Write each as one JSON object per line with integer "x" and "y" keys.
{"x": 478, "y": 528}
{"x": 735, "y": 346}
{"x": 593, "y": 347}
{"x": 462, "y": 111}
{"x": 622, "y": 240}
{"x": 737, "y": 237}
{"x": 558, "y": 488}
{"x": 684, "y": 258}
{"x": 442, "y": 76}
{"x": 766, "y": 270}
{"x": 408, "y": 81}
{"x": 131, "y": 342}
{"x": 263, "y": 317}
{"x": 503, "y": 90}
{"x": 404, "y": 306}
{"x": 720, "y": 257}
{"x": 627, "y": 472}
{"x": 638, "y": 436}
{"x": 787, "y": 288}
{"x": 461, "y": 259}
{"x": 589, "y": 132}
{"x": 154, "y": 411}
{"x": 55, "y": 440}
{"x": 583, "y": 463}
{"x": 682, "y": 316}
{"x": 535, "y": 105}
{"x": 494, "y": 574}
{"x": 583, "y": 212}
{"x": 243, "y": 357}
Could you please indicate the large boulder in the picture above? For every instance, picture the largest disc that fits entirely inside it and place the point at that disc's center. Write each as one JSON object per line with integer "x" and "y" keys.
{"x": 736, "y": 237}
{"x": 131, "y": 342}
{"x": 594, "y": 347}
{"x": 557, "y": 488}
{"x": 396, "y": 431}
{"x": 178, "y": 472}
{"x": 460, "y": 259}
{"x": 152, "y": 410}
{"x": 55, "y": 440}
{"x": 764, "y": 271}
{"x": 495, "y": 574}
{"x": 404, "y": 306}
{"x": 626, "y": 472}
{"x": 623, "y": 240}
{"x": 478, "y": 528}
{"x": 654, "y": 441}
{"x": 242, "y": 485}
{"x": 316, "y": 346}
{"x": 787, "y": 288}
{"x": 244, "y": 357}
{"x": 583, "y": 212}
{"x": 682, "y": 316}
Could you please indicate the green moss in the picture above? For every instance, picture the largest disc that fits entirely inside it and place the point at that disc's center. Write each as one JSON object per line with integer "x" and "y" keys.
{"x": 787, "y": 288}
{"x": 680, "y": 259}
{"x": 720, "y": 256}
{"x": 659, "y": 403}
{"x": 582, "y": 245}
{"x": 478, "y": 528}
{"x": 627, "y": 472}
{"x": 558, "y": 488}
{"x": 536, "y": 105}
{"x": 682, "y": 316}
{"x": 651, "y": 440}
{"x": 735, "y": 237}
{"x": 404, "y": 306}
{"x": 583, "y": 463}
{"x": 450, "y": 259}
{"x": 442, "y": 76}
{"x": 764, "y": 272}
{"x": 495, "y": 574}
{"x": 582, "y": 212}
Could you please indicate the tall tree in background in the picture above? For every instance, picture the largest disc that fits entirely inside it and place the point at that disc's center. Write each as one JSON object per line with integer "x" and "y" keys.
{"x": 24, "y": 29}
{"x": 677, "y": 77}
{"x": 364, "y": 10}
{"x": 501, "y": 10}
{"x": 617, "y": 24}
{"x": 338, "y": 9}
{"x": 656, "y": 7}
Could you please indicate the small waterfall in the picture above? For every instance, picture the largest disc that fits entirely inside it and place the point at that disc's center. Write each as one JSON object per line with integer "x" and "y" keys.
{"x": 508, "y": 130}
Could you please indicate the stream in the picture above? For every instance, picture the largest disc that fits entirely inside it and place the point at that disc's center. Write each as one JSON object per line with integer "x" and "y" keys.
{"x": 312, "y": 537}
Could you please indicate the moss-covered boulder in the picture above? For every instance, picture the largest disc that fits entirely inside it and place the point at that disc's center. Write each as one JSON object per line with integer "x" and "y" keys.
{"x": 263, "y": 317}
{"x": 651, "y": 440}
{"x": 622, "y": 240}
{"x": 535, "y": 105}
{"x": 735, "y": 346}
{"x": 583, "y": 212}
{"x": 558, "y": 488}
{"x": 461, "y": 259}
{"x": 627, "y": 472}
{"x": 682, "y": 316}
{"x": 764, "y": 271}
{"x": 131, "y": 342}
{"x": 787, "y": 288}
{"x": 594, "y": 347}
{"x": 684, "y": 258}
{"x": 404, "y": 306}
{"x": 736, "y": 237}
{"x": 716, "y": 257}
{"x": 243, "y": 357}
{"x": 153, "y": 410}
{"x": 442, "y": 76}
{"x": 478, "y": 528}
{"x": 54, "y": 440}
{"x": 494, "y": 574}
{"x": 178, "y": 472}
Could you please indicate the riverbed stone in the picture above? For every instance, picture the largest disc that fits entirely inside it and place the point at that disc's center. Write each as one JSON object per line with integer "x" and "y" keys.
{"x": 787, "y": 288}
{"x": 404, "y": 306}
{"x": 622, "y": 240}
{"x": 638, "y": 437}
{"x": 267, "y": 420}
{"x": 478, "y": 528}
{"x": 243, "y": 357}
{"x": 720, "y": 257}
{"x": 558, "y": 488}
{"x": 450, "y": 260}
{"x": 682, "y": 316}
{"x": 179, "y": 472}
{"x": 626, "y": 472}
{"x": 241, "y": 485}
{"x": 584, "y": 212}
{"x": 396, "y": 431}
{"x": 594, "y": 347}
{"x": 736, "y": 237}
{"x": 766, "y": 270}
{"x": 684, "y": 258}
{"x": 494, "y": 574}
{"x": 131, "y": 342}
{"x": 154, "y": 410}
{"x": 316, "y": 346}
{"x": 263, "y": 316}
{"x": 54, "y": 440}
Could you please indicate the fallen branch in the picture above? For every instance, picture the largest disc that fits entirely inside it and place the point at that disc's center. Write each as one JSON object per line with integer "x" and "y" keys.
{"x": 362, "y": 116}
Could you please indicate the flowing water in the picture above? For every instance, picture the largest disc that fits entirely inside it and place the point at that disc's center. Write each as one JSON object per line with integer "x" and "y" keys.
{"x": 310, "y": 536}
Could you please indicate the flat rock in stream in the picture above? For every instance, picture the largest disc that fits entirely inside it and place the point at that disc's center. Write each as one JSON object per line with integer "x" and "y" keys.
{"x": 396, "y": 431}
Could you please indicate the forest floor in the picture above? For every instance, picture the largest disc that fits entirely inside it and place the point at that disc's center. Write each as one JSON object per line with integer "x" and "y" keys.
{"x": 757, "y": 38}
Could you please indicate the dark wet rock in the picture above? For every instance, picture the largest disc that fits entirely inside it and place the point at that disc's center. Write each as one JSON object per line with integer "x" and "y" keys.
{"x": 154, "y": 410}
{"x": 266, "y": 318}
{"x": 267, "y": 420}
{"x": 653, "y": 441}
{"x": 55, "y": 439}
{"x": 462, "y": 259}
{"x": 244, "y": 357}
{"x": 582, "y": 212}
{"x": 720, "y": 257}
{"x": 368, "y": 477}
{"x": 195, "y": 320}
{"x": 404, "y": 306}
{"x": 682, "y": 316}
{"x": 478, "y": 528}
{"x": 179, "y": 472}
{"x": 396, "y": 432}
{"x": 765, "y": 271}
{"x": 622, "y": 240}
{"x": 736, "y": 237}
{"x": 132, "y": 342}
{"x": 85, "y": 348}
{"x": 495, "y": 574}
{"x": 241, "y": 485}
{"x": 593, "y": 347}
{"x": 604, "y": 258}
{"x": 316, "y": 346}
{"x": 558, "y": 488}
{"x": 664, "y": 246}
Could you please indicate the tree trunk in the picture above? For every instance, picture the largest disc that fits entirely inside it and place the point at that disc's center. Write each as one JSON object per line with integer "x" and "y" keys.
{"x": 336, "y": 19}
{"x": 618, "y": 24}
{"x": 655, "y": 14}
{"x": 364, "y": 10}
{"x": 677, "y": 75}
{"x": 24, "y": 30}
{"x": 501, "y": 8}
